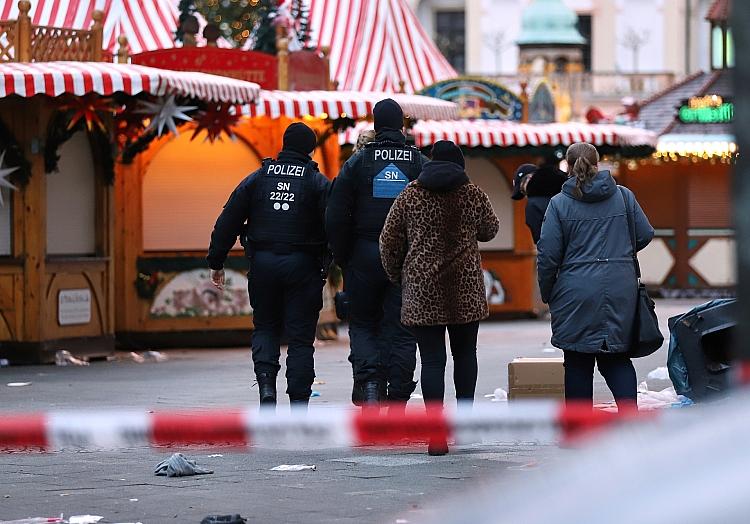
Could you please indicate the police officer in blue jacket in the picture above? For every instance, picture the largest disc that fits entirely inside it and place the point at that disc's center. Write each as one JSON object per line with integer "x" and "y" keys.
{"x": 383, "y": 352}
{"x": 278, "y": 212}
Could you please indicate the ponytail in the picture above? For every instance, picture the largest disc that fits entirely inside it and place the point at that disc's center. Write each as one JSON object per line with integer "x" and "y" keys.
{"x": 583, "y": 160}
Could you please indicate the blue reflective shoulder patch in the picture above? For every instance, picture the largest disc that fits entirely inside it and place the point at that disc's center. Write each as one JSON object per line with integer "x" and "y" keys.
{"x": 389, "y": 182}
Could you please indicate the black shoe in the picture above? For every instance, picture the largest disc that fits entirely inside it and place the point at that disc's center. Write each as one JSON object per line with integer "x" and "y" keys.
{"x": 267, "y": 388}
{"x": 372, "y": 390}
{"x": 358, "y": 393}
{"x": 437, "y": 447}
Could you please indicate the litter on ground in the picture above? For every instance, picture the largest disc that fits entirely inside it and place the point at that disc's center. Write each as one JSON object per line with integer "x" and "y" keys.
{"x": 660, "y": 373}
{"x": 499, "y": 395}
{"x": 63, "y": 357}
{"x": 295, "y": 467}
{"x": 178, "y": 465}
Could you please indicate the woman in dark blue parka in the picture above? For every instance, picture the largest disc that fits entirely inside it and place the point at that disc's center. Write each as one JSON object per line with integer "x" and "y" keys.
{"x": 587, "y": 276}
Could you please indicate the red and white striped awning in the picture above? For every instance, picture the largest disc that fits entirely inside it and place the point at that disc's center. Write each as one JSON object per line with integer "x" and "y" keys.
{"x": 489, "y": 133}
{"x": 148, "y": 24}
{"x": 351, "y": 104}
{"x": 78, "y": 78}
{"x": 375, "y": 44}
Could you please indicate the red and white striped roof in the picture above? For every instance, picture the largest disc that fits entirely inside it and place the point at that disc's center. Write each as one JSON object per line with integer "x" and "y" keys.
{"x": 489, "y": 133}
{"x": 375, "y": 44}
{"x": 79, "y": 78}
{"x": 148, "y": 24}
{"x": 351, "y": 104}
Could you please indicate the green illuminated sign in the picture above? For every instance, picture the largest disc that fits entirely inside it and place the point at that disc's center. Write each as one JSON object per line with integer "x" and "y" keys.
{"x": 707, "y": 110}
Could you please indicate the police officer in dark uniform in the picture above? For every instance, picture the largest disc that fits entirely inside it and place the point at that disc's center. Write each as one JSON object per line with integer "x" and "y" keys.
{"x": 278, "y": 211}
{"x": 383, "y": 352}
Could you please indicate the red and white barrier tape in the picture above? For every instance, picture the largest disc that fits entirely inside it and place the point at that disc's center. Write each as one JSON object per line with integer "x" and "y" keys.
{"x": 328, "y": 427}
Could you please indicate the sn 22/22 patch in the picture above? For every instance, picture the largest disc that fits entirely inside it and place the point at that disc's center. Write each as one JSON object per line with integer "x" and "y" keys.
{"x": 389, "y": 182}
{"x": 283, "y": 198}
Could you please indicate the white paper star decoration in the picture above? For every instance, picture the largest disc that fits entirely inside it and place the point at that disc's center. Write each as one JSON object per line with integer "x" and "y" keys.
{"x": 3, "y": 174}
{"x": 164, "y": 112}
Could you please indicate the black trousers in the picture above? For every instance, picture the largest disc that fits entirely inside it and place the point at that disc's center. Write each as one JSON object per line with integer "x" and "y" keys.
{"x": 616, "y": 368}
{"x": 381, "y": 347}
{"x": 286, "y": 293}
{"x": 432, "y": 353}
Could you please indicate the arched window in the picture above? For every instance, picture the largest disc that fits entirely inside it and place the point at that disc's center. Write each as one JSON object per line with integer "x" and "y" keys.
{"x": 186, "y": 186}
{"x": 487, "y": 176}
{"x": 71, "y": 200}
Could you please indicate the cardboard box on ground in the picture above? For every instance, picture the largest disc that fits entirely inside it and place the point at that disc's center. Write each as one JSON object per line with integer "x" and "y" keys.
{"x": 536, "y": 378}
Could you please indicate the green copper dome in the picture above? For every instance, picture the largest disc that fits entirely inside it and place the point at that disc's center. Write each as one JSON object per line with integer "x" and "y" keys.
{"x": 549, "y": 22}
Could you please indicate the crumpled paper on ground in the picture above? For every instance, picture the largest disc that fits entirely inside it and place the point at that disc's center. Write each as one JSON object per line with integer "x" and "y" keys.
{"x": 295, "y": 467}
{"x": 660, "y": 373}
{"x": 178, "y": 465}
{"x": 649, "y": 400}
{"x": 499, "y": 395}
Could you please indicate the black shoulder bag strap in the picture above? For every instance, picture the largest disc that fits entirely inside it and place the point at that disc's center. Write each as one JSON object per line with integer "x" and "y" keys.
{"x": 631, "y": 230}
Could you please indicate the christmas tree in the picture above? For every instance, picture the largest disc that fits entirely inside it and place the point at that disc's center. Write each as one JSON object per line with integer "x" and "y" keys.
{"x": 253, "y": 20}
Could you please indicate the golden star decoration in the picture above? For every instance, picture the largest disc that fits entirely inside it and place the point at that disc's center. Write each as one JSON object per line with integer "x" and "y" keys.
{"x": 88, "y": 108}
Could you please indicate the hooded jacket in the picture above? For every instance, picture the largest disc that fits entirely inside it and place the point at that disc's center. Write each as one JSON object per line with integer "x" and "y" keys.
{"x": 585, "y": 266}
{"x": 342, "y": 226}
{"x": 429, "y": 246}
{"x": 546, "y": 183}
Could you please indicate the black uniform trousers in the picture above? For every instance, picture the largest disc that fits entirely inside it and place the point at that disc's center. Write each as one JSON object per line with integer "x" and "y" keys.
{"x": 381, "y": 348}
{"x": 286, "y": 293}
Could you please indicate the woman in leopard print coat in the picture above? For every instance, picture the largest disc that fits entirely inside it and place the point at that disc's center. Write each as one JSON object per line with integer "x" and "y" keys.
{"x": 429, "y": 246}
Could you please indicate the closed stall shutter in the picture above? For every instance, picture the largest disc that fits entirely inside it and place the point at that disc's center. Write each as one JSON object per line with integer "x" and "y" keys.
{"x": 71, "y": 200}
{"x": 708, "y": 197}
{"x": 186, "y": 186}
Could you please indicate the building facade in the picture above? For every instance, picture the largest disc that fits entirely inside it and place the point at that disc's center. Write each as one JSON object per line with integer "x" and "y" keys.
{"x": 631, "y": 47}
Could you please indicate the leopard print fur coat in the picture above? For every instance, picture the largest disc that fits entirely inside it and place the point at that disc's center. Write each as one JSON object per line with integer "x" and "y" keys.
{"x": 429, "y": 246}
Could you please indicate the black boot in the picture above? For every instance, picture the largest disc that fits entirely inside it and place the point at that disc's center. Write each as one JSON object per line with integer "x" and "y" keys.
{"x": 358, "y": 393}
{"x": 299, "y": 404}
{"x": 267, "y": 388}
{"x": 372, "y": 390}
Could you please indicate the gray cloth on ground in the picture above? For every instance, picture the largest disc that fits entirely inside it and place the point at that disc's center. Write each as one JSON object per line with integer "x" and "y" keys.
{"x": 179, "y": 466}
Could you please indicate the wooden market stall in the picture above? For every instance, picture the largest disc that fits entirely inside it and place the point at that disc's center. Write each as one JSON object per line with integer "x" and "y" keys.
{"x": 59, "y": 107}
{"x": 685, "y": 188}
{"x": 170, "y": 194}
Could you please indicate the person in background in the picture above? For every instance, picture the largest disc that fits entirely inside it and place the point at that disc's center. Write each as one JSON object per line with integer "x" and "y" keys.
{"x": 429, "y": 247}
{"x": 278, "y": 211}
{"x": 383, "y": 353}
{"x": 365, "y": 137}
{"x": 539, "y": 185}
{"x": 587, "y": 276}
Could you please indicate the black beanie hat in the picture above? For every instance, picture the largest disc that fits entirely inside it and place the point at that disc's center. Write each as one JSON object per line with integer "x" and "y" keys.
{"x": 299, "y": 138}
{"x": 521, "y": 172}
{"x": 388, "y": 114}
{"x": 448, "y": 151}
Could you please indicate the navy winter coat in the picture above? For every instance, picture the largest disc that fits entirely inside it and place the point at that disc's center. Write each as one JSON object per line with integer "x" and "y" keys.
{"x": 585, "y": 266}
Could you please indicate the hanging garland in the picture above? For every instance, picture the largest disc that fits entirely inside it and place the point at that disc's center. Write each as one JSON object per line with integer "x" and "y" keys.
{"x": 62, "y": 126}
{"x": 14, "y": 157}
{"x": 136, "y": 147}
